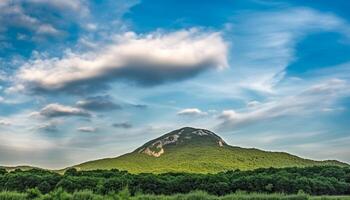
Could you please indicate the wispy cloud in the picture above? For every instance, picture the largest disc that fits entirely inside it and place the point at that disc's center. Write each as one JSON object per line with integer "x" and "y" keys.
{"x": 267, "y": 49}
{"x": 313, "y": 99}
{"x": 58, "y": 110}
{"x": 50, "y": 127}
{"x": 98, "y": 103}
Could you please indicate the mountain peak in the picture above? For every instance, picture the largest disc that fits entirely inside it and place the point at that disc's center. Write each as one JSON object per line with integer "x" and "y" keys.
{"x": 181, "y": 137}
{"x": 196, "y": 150}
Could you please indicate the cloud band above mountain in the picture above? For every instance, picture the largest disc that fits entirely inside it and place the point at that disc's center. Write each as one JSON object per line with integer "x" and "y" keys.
{"x": 146, "y": 60}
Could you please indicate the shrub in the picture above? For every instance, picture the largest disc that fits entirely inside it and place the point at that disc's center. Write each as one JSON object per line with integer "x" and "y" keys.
{"x": 12, "y": 196}
{"x": 33, "y": 193}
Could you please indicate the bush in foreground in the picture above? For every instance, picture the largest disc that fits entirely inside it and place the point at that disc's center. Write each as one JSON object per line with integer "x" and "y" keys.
{"x": 60, "y": 194}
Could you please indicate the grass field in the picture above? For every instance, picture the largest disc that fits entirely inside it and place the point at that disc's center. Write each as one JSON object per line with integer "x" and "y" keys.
{"x": 125, "y": 195}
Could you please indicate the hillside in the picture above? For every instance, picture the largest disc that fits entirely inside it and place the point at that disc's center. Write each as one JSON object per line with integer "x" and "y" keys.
{"x": 21, "y": 167}
{"x": 200, "y": 151}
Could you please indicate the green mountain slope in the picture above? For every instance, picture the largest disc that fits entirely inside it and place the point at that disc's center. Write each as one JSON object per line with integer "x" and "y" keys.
{"x": 200, "y": 151}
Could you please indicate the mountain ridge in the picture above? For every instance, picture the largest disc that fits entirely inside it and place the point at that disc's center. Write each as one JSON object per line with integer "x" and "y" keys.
{"x": 179, "y": 137}
{"x": 197, "y": 150}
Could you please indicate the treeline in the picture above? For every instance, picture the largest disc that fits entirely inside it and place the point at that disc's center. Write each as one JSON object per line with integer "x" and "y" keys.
{"x": 326, "y": 180}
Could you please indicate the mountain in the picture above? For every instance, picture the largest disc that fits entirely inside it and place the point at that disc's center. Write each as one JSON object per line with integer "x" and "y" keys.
{"x": 199, "y": 151}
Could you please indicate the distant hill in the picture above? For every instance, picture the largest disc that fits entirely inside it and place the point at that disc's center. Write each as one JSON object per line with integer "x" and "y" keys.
{"x": 23, "y": 168}
{"x": 199, "y": 151}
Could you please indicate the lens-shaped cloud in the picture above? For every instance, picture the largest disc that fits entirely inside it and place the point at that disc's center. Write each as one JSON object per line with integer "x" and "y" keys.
{"x": 146, "y": 60}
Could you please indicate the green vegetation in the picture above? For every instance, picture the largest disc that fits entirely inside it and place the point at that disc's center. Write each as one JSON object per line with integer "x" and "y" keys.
{"x": 199, "y": 154}
{"x": 200, "y": 159}
{"x": 125, "y": 195}
{"x": 318, "y": 180}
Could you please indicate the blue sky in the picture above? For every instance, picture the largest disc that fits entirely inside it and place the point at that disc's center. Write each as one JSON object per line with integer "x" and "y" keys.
{"x": 81, "y": 80}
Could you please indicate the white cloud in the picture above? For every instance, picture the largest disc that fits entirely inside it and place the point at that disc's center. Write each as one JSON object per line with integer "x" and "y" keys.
{"x": 330, "y": 88}
{"x": 19, "y": 18}
{"x": 313, "y": 99}
{"x": 4, "y": 122}
{"x": 146, "y": 59}
{"x": 15, "y": 88}
{"x": 191, "y": 112}
{"x": 58, "y": 110}
{"x": 47, "y": 29}
{"x": 228, "y": 115}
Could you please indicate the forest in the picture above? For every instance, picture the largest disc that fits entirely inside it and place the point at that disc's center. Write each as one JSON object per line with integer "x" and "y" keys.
{"x": 318, "y": 180}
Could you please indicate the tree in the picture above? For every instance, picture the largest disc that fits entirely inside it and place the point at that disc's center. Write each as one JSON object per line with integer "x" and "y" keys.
{"x": 71, "y": 172}
{"x": 3, "y": 171}
{"x": 33, "y": 193}
{"x": 269, "y": 187}
{"x": 44, "y": 187}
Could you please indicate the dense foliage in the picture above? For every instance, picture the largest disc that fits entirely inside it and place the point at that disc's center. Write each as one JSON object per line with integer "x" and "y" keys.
{"x": 318, "y": 180}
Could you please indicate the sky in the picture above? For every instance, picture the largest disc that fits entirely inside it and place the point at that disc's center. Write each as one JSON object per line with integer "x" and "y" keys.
{"x": 88, "y": 79}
